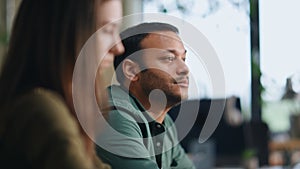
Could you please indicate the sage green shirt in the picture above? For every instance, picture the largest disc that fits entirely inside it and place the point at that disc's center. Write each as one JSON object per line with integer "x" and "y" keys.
{"x": 122, "y": 145}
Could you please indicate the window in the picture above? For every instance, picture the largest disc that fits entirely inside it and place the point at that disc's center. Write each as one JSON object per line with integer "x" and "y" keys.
{"x": 279, "y": 40}
{"x": 226, "y": 25}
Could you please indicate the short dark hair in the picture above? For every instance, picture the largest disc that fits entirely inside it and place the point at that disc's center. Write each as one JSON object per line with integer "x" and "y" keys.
{"x": 131, "y": 39}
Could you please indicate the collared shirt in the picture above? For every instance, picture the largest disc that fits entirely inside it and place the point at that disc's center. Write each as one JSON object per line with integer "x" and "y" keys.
{"x": 134, "y": 139}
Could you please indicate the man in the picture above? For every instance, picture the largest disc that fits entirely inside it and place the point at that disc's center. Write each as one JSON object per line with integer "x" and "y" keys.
{"x": 153, "y": 78}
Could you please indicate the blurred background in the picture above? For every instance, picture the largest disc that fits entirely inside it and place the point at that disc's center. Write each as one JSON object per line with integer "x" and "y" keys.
{"x": 257, "y": 43}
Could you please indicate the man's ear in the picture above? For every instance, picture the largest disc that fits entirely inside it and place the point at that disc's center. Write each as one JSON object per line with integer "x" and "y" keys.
{"x": 130, "y": 69}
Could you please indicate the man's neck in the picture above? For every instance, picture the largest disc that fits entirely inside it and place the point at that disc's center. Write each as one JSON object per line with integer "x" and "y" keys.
{"x": 157, "y": 108}
{"x": 158, "y": 116}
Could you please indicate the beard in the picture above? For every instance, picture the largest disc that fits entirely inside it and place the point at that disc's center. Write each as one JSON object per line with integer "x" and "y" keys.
{"x": 152, "y": 79}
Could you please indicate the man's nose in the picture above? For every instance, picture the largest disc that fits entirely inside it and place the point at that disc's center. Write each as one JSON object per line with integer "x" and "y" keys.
{"x": 182, "y": 68}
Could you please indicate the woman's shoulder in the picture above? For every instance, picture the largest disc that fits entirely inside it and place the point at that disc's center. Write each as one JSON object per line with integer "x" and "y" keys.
{"x": 40, "y": 100}
{"x": 45, "y": 106}
{"x": 40, "y": 124}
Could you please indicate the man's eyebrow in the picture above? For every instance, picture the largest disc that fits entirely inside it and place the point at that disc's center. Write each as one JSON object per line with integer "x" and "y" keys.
{"x": 174, "y": 51}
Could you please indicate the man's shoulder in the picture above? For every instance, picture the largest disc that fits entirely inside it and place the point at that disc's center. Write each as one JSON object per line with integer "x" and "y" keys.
{"x": 121, "y": 101}
{"x": 119, "y": 97}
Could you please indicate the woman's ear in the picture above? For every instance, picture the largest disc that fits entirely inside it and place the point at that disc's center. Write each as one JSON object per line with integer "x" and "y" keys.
{"x": 130, "y": 69}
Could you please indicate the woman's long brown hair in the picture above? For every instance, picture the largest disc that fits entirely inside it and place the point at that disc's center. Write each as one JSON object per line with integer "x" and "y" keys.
{"x": 46, "y": 38}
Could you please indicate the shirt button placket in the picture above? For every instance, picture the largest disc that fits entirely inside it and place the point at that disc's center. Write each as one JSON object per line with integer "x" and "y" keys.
{"x": 158, "y": 144}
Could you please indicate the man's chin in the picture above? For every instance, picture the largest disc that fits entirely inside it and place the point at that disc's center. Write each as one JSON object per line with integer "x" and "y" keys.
{"x": 177, "y": 99}
{"x": 184, "y": 97}
{"x": 184, "y": 94}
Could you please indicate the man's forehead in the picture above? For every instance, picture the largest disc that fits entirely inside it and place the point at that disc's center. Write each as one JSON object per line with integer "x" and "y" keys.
{"x": 164, "y": 41}
{"x": 164, "y": 34}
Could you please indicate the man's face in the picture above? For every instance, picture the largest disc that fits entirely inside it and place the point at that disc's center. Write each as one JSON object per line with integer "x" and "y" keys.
{"x": 164, "y": 58}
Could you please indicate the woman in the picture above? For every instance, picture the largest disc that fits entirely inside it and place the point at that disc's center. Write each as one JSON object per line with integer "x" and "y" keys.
{"x": 38, "y": 124}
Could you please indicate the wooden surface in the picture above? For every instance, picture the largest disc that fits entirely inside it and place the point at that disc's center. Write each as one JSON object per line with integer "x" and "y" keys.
{"x": 288, "y": 145}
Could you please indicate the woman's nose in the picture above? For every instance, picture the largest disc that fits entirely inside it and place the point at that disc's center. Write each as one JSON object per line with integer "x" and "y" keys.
{"x": 118, "y": 48}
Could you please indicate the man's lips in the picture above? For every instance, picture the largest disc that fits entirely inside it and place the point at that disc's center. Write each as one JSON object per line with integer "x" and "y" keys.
{"x": 183, "y": 82}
